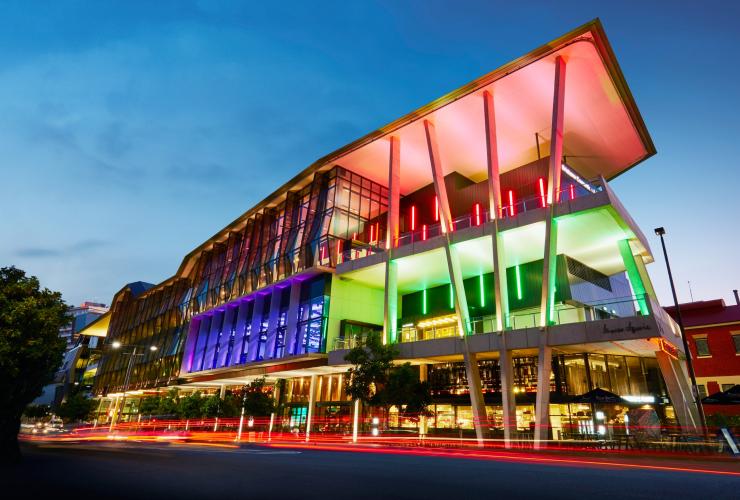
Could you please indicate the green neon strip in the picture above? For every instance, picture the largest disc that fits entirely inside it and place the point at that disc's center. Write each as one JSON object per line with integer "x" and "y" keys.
{"x": 552, "y": 304}
{"x": 452, "y": 297}
{"x": 482, "y": 292}
{"x": 424, "y": 302}
{"x": 518, "y": 284}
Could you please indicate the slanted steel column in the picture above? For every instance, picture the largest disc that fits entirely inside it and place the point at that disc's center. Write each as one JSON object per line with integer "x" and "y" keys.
{"x": 542, "y": 408}
{"x": 547, "y": 303}
{"x": 240, "y": 332}
{"x": 291, "y": 325}
{"x": 226, "y": 328}
{"x": 456, "y": 280}
{"x": 508, "y": 402}
{"x": 677, "y": 382}
{"x": 311, "y": 404}
{"x": 630, "y": 264}
{"x": 390, "y": 305}
{"x": 494, "y": 202}
{"x": 272, "y": 322}
{"x": 553, "y": 193}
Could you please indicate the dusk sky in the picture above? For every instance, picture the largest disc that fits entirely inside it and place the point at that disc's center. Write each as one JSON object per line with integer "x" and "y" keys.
{"x": 131, "y": 132}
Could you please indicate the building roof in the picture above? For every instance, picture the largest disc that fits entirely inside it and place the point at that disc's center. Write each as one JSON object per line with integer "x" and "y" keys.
{"x": 138, "y": 287}
{"x": 706, "y": 312}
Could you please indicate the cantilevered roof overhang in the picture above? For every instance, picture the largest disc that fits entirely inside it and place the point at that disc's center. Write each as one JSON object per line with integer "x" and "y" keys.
{"x": 604, "y": 133}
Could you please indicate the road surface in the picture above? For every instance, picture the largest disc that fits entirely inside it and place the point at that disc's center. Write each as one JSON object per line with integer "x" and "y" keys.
{"x": 131, "y": 470}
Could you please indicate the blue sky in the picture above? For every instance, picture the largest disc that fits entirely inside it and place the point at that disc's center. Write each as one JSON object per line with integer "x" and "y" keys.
{"x": 131, "y": 132}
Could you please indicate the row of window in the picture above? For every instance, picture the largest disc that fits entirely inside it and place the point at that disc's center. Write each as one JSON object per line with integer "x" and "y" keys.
{"x": 702, "y": 345}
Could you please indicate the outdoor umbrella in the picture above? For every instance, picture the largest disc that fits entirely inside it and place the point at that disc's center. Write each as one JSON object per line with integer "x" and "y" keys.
{"x": 729, "y": 397}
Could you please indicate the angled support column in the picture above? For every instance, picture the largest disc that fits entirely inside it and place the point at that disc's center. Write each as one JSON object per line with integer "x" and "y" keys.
{"x": 456, "y": 280}
{"x": 630, "y": 264}
{"x": 272, "y": 322}
{"x": 311, "y": 404}
{"x": 223, "y": 346}
{"x": 390, "y": 305}
{"x": 494, "y": 202}
{"x": 547, "y": 303}
{"x": 291, "y": 326}
{"x": 240, "y": 332}
{"x": 508, "y": 402}
{"x": 679, "y": 390}
{"x": 542, "y": 408}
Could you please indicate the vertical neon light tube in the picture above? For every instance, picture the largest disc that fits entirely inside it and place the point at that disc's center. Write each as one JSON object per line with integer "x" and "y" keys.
{"x": 424, "y": 301}
{"x": 436, "y": 209}
{"x": 482, "y": 292}
{"x": 413, "y": 218}
{"x": 452, "y": 297}
{"x": 518, "y": 283}
{"x": 477, "y": 214}
{"x": 572, "y": 191}
{"x": 377, "y": 231}
{"x": 424, "y": 232}
{"x": 512, "y": 212}
{"x": 371, "y": 234}
{"x": 552, "y": 304}
{"x": 542, "y": 192}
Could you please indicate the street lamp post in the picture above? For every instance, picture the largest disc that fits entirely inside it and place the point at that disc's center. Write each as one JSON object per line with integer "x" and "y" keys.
{"x": 132, "y": 354}
{"x": 660, "y": 231}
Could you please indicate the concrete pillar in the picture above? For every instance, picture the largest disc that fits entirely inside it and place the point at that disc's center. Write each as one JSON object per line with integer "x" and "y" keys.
{"x": 256, "y": 325}
{"x": 633, "y": 274}
{"x": 456, "y": 280}
{"x": 272, "y": 322}
{"x": 645, "y": 277}
{"x": 222, "y": 391}
{"x": 291, "y": 328}
{"x": 494, "y": 202}
{"x": 553, "y": 188}
{"x": 679, "y": 390}
{"x": 542, "y": 408}
{"x": 311, "y": 404}
{"x": 423, "y": 372}
{"x": 508, "y": 402}
{"x": 390, "y": 305}
{"x": 355, "y": 420}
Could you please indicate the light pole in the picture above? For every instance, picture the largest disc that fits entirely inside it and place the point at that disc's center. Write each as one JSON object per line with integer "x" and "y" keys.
{"x": 132, "y": 354}
{"x": 660, "y": 231}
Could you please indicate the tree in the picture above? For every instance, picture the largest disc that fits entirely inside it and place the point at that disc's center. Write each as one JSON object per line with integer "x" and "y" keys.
{"x": 77, "y": 407}
{"x": 149, "y": 405}
{"x": 211, "y": 406}
{"x": 372, "y": 364}
{"x": 376, "y": 381}
{"x": 30, "y": 349}
{"x": 191, "y": 406}
{"x": 257, "y": 399}
{"x": 169, "y": 403}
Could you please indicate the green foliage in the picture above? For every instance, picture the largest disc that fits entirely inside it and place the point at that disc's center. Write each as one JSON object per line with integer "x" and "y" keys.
{"x": 211, "y": 406}
{"x": 376, "y": 381}
{"x": 404, "y": 390}
{"x": 191, "y": 406}
{"x": 77, "y": 407}
{"x": 257, "y": 399}
{"x": 30, "y": 349}
{"x": 719, "y": 420}
{"x": 36, "y": 411}
{"x": 169, "y": 403}
{"x": 149, "y": 405}
{"x": 371, "y": 367}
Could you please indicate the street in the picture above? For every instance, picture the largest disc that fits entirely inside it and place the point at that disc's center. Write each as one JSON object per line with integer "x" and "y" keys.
{"x": 131, "y": 470}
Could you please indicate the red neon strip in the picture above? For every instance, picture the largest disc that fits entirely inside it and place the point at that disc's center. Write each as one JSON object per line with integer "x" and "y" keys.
{"x": 512, "y": 212}
{"x": 413, "y": 218}
{"x": 424, "y": 232}
{"x": 377, "y": 231}
{"x": 572, "y": 191}
{"x": 436, "y": 209}
{"x": 542, "y": 192}
{"x": 477, "y": 214}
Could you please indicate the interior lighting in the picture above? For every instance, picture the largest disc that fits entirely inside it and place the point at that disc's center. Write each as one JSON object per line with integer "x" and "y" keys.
{"x": 477, "y": 214}
{"x": 639, "y": 399}
{"x": 577, "y": 178}
{"x": 424, "y": 232}
{"x": 442, "y": 320}
{"x": 413, "y": 217}
{"x": 116, "y": 345}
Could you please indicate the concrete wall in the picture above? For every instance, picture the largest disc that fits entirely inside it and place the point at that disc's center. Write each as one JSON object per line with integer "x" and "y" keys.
{"x": 352, "y": 301}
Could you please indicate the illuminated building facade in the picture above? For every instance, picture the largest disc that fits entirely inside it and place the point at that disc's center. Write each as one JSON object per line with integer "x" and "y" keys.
{"x": 479, "y": 234}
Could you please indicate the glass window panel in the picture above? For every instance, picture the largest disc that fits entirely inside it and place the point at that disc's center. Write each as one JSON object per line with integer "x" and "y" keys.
{"x": 599, "y": 376}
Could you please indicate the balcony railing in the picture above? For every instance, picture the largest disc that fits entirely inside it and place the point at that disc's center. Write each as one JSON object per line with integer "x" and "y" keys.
{"x": 510, "y": 207}
{"x": 623, "y": 307}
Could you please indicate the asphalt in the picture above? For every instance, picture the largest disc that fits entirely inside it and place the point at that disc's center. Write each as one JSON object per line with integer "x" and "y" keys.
{"x": 133, "y": 471}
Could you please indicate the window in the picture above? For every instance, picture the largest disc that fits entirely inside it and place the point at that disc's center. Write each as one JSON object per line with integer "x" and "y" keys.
{"x": 727, "y": 387}
{"x": 736, "y": 340}
{"x": 702, "y": 346}
{"x": 702, "y": 390}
